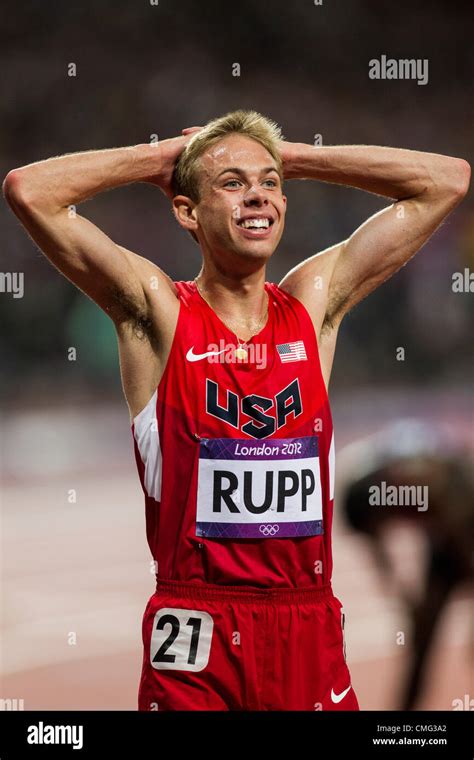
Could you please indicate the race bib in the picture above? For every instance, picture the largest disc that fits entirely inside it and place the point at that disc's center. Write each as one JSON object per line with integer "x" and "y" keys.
{"x": 264, "y": 489}
{"x": 180, "y": 639}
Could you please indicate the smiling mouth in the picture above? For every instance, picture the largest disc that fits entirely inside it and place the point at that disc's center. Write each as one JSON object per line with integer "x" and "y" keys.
{"x": 255, "y": 226}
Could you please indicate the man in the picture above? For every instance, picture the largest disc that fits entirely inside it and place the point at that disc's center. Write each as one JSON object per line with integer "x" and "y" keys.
{"x": 226, "y": 380}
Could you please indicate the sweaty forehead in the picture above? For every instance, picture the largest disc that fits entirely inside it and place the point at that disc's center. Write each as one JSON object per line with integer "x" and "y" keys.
{"x": 235, "y": 151}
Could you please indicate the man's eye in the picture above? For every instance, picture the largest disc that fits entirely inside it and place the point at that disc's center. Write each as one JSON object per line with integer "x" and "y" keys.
{"x": 237, "y": 182}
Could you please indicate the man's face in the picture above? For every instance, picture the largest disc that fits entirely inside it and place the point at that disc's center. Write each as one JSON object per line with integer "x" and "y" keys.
{"x": 241, "y": 208}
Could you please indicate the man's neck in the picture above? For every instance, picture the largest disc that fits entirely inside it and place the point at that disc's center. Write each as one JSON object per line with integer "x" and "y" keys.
{"x": 240, "y": 302}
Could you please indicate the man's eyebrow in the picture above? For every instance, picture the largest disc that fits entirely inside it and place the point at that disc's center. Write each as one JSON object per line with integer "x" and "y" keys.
{"x": 236, "y": 170}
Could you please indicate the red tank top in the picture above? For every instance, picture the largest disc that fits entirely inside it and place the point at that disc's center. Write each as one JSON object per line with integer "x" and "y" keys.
{"x": 236, "y": 456}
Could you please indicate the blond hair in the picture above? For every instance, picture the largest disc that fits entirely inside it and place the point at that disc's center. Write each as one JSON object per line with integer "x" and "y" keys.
{"x": 248, "y": 123}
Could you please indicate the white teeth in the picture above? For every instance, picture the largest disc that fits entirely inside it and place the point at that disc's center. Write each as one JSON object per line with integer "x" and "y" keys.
{"x": 248, "y": 223}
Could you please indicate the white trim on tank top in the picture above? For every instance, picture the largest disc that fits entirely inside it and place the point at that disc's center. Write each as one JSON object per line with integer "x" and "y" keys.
{"x": 145, "y": 426}
{"x": 332, "y": 467}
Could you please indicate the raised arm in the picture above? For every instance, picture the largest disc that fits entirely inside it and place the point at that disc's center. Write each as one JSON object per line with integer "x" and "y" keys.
{"x": 44, "y": 196}
{"x": 425, "y": 186}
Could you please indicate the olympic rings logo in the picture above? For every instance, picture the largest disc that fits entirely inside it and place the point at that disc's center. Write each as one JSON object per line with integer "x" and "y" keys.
{"x": 269, "y": 530}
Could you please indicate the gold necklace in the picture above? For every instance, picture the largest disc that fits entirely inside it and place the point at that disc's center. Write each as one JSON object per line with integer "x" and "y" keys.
{"x": 240, "y": 352}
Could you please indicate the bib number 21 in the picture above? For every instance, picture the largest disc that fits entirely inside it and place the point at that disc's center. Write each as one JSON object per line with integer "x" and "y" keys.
{"x": 180, "y": 639}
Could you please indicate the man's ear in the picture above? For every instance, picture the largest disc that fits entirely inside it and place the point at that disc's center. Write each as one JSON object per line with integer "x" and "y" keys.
{"x": 185, "y": 213}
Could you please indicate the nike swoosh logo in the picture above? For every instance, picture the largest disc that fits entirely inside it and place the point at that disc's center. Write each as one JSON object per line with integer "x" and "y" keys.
{"x": 337, "y": 697}
{"x": 192, "y": 357}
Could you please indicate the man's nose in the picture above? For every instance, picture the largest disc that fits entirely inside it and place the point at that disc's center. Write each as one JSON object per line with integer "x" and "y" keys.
{"x": 255, "y": 195}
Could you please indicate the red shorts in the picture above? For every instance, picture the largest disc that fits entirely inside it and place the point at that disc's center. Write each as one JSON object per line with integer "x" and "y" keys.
{"x": 211, "y": 647}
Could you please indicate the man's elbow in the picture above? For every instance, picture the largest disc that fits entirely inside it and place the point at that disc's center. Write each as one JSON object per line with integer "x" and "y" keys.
{"x": 459, "y": 177}
{"x": 13, "y": 189}
{"x": 18, "y": 191}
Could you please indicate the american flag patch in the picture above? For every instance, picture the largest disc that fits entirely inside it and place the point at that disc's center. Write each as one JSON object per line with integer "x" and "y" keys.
{"x": 292, "y": 352}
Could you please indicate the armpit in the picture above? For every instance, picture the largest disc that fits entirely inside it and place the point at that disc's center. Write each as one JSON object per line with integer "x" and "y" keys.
{"x": 126, "y": 308}
{"x": 335, "y": 310}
